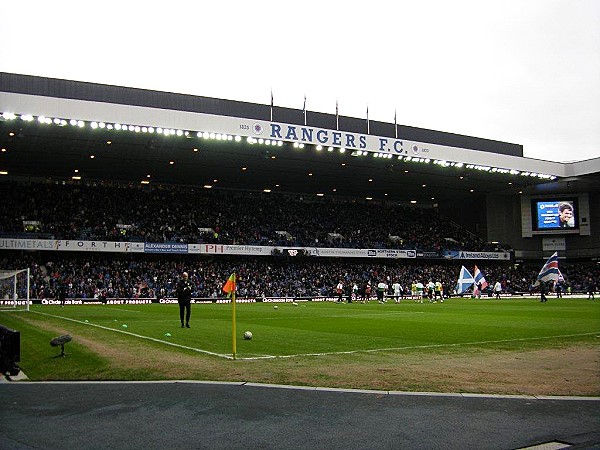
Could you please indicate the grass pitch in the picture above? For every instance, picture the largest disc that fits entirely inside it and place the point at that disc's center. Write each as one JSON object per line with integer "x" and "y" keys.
{"x": 310, "y": 328}
{"x": 516, "y": 346}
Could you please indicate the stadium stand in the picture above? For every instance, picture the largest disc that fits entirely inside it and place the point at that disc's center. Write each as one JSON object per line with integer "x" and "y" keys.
{"x": 155, "y": 276}
{"x": 54, "y": 131}
{"x": 194, "y": 215}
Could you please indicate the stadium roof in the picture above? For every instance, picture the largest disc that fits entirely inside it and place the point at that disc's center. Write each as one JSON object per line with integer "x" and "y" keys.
{"x": 63, "y": 129}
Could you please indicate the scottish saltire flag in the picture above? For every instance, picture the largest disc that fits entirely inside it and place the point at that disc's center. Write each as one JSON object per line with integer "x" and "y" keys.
{"x": 465, "y": 280}
{"x": 550, "y": 270}
{"x": 480, "y": 279}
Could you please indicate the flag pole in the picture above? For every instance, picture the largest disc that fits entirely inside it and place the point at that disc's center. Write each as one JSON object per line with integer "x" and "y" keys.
{"x": 229, "y": 288}
{"x": 304, "y": 109}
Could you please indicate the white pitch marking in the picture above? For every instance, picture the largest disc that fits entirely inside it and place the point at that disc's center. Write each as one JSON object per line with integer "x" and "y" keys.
{"x": 348, "y": 352}
{"x": 139, "y": 336}
{"x": 397, "y": 313}
{"x": 458, "y": 344}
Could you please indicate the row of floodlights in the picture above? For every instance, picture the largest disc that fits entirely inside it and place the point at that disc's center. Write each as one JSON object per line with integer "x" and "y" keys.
{"x": 459, "y": 165}
{"x": 541, "y": 176}
{"x": 261, "y": 141}
{"x": 120, "y": 127}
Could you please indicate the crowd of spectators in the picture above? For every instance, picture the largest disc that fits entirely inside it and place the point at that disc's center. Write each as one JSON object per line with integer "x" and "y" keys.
{"x": 138, "y": 213}
{"x": 155, "y": 276}
{"x": 63, "y": 210}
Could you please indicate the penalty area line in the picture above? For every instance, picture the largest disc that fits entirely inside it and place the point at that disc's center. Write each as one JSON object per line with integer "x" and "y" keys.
{"x": 172, "y": 344}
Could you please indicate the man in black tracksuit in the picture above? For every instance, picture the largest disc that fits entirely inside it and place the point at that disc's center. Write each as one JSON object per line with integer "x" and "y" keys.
{"x": 184, "y": 298}
{"x": 61, "y": 293}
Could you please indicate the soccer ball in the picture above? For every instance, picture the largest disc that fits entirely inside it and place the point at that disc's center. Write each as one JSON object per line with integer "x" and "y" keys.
{"x": 247, "y": 335}
{"x": 275, "y": 307}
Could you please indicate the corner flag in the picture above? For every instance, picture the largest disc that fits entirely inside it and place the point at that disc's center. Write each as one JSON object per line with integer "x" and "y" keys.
{"x": 550, "y": 270}
{"x": 229, "y": 286}
{"x": 465, "y": 280}
{"x": 229, "y": 289}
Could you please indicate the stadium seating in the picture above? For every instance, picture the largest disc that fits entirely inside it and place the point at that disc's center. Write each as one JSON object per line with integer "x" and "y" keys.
{"x": 193, "y": 215}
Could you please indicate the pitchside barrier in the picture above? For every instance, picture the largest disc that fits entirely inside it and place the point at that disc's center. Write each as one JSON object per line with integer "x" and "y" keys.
{"x": 166, "y": 301}
{"x": 207, "y": 300}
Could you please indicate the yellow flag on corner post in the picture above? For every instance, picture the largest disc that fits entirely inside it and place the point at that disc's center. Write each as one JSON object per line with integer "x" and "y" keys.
{"x": 229, "y": 286}
{"x": 229, "y": 289}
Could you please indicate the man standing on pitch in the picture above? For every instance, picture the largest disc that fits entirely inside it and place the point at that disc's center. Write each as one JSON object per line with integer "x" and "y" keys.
{"x": 543, "y": 290}
{"x": 497, "y": 289}
{"x": 184, "y": 298}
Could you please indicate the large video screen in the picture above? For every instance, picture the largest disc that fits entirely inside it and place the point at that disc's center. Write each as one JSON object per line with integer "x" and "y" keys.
{"x": 555, "y": 214}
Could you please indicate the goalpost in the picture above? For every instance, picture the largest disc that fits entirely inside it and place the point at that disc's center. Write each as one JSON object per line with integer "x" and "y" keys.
{"x": 14, "y": 289}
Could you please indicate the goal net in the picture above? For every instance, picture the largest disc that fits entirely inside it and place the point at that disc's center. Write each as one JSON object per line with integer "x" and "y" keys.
{"x": 14, "y": 289}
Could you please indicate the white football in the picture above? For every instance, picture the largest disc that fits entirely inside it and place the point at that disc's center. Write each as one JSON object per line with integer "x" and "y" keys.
{"x": 275, "y": 307}
{"x": 247, "y": 335}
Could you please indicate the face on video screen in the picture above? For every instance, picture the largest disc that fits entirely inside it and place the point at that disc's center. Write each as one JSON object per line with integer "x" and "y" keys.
{"x": 566, "y": 215}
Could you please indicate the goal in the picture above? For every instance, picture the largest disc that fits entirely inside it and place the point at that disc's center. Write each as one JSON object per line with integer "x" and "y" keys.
{"x": 14, "y": 289}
